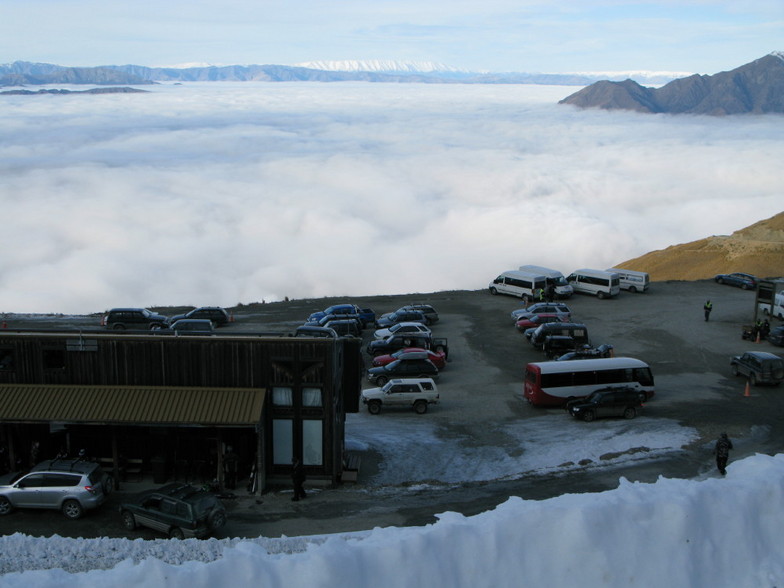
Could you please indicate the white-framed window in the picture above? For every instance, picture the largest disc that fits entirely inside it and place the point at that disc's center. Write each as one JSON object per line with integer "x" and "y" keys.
{"x": 311, "y": 397}
{"x": 282, "y": 396}
{"x": 312, "y": 442}
{"x": 282, "y": 441}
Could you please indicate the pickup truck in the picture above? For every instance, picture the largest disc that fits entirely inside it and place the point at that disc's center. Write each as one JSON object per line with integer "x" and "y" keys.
{"x": 395, "y": 342}
{"x": 365, "y": 316}
{"x": 417, "y": 393}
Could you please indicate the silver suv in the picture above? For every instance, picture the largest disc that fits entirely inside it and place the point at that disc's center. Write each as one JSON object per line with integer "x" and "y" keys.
{"x": 414, "y": 392}
{"x": 69, "y": 485}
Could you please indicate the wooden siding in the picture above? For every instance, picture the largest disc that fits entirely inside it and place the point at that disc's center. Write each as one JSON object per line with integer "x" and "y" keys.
{"x": 138, "y": 405}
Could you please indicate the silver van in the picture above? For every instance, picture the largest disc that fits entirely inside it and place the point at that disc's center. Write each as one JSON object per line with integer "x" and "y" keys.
{"x": 631, "y": 280}
{"x": 517, "y": 283}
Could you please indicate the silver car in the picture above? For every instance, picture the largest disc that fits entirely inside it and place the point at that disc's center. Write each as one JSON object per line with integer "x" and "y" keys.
{"x": 69, "y": 485}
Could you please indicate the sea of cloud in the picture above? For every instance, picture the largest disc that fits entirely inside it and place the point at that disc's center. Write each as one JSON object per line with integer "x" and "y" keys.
{"x": 221, "y": 193}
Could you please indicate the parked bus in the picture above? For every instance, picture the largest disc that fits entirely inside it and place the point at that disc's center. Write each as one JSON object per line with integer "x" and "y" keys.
{"x": 600, "y": 283}
{"x": 552, "y": 383}
{"x": 520, "y": 284}
{"x": 631, "y": 280}
{"x": 556, "y": 279}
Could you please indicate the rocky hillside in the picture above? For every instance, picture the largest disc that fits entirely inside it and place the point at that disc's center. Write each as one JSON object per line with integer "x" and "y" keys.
{"x": 757, "y": 87}
{"x": 758, "y": 250}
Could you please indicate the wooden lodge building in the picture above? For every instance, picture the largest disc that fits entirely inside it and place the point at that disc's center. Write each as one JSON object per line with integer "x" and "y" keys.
{"x": 186, "y": 408}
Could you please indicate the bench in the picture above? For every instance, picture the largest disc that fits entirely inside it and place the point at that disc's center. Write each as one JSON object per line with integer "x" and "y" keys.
{"x": 351, "y": 468}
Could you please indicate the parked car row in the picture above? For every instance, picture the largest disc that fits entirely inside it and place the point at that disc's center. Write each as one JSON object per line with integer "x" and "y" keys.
{"x": 344, "y": 320}
{"x": 200, "y": 320}
{"x": 77, "y": 485}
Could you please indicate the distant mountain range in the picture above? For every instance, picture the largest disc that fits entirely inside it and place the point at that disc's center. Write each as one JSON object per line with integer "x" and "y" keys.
{"x": 757, "y": 87}
{"x": 22, "y": 73}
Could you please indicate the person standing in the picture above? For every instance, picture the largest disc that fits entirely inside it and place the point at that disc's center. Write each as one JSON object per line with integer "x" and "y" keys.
{"x": 722, "y": 451}
{"x": 298, "y": 479}
{"x": 230, "y": 463}
{"x": 708, "y": 308}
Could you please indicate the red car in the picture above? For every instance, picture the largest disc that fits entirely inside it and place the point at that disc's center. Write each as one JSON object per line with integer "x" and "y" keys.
{"x": 437, "y": 357}
{"x": 538, "y": 319}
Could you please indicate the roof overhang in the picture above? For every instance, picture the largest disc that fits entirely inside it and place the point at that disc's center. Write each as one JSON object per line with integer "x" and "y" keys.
{"x": 137, "y": 405}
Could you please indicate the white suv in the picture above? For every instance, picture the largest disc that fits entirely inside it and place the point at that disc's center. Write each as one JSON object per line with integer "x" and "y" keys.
{"x": 414, "y": 392}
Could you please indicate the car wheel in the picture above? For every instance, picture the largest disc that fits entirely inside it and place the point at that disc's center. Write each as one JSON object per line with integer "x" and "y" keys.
{"x": 119, "y": 327}
{"x": 129, "y": 520}
{"x": 753, "y": 379}
{"x": 420, "y": 407}
{"x": 217, "y": 519}
{"x": 381, "y": 380}
{"x": 720, "y": 280}
{"x": 493, "y": 291}
{"x": 72, "y": 509}
{"x": 176, "y": 533}
{"x": 600, "y": 295}
{"x": 632, "y": 289}
{"x": 588, "y": 416}
{"x": 746, "y": 287}
{"x": 735, "y": 371}
{"x": 5, "y": 506}
{"x": 155, "y": 327}
{"x": 108, "y": 485}
{"x": 374, "y": 407}
{"x": 629, "y": 413}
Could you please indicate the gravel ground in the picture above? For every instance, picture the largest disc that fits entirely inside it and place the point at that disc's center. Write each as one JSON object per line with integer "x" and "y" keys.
{"x": 482, "y": 398}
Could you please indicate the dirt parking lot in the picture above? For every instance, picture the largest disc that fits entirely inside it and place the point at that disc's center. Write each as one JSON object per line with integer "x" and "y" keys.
{"x": 481, "y": 393}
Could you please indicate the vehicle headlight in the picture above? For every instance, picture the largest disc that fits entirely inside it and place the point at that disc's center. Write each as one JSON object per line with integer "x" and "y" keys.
{"x": 575, "y": 409}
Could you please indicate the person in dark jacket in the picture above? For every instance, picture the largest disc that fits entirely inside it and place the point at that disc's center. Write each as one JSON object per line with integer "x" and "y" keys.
{"x": 230, "y": 463}
{"x": 298, "y": 479}
{"x": 722, "y": 451}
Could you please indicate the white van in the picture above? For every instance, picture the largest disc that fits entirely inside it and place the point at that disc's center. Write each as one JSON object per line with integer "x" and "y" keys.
{"x": 555, "y": 279}
{"x": 631, "y": 280}
{"x": 592, "y": 281}
{"x": 517, "y": 283}
{"x": 778, "y": 307}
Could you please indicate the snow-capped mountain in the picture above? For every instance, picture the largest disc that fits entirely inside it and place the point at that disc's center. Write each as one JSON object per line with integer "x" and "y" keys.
{"x": 381, "y": 65}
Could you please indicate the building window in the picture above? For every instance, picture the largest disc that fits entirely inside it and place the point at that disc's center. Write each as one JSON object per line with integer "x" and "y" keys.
{"x": 312, "y": 442}
{"x": 54, "y": 359}
{"x": 282, "y": 438}
{"x": 7, "y": 363}
{"x": 282, "y": 396}
{"x": 311, "y": 397}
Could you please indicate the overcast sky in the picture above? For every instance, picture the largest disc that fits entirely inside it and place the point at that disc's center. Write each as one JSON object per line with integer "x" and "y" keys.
{"x": 220, "y": 193}
{"x": 699, "y": 36}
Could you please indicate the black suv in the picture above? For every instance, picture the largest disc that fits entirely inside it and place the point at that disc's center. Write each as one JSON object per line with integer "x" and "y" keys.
{"x": 133, "y": 318}
{"x": 69, "y": 485}
{"x": 760, "y": 367}
{"x": 219, "y": 316}
{"x": 178, "y": 510}
{"x": 607, "y": 402}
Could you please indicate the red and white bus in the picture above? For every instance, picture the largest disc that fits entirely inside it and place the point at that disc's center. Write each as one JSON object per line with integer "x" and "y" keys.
{"x": 551, "y": 383}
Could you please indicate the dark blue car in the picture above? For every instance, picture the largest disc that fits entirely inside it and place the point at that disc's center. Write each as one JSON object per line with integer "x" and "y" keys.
{"x": 745, "y": 281}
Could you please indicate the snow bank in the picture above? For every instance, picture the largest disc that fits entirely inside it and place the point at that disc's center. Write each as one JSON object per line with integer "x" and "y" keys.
{"x": 716, "y": 532}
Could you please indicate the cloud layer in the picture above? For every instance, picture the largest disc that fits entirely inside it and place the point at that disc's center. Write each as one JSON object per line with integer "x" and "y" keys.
{"x": 227, "y": 193}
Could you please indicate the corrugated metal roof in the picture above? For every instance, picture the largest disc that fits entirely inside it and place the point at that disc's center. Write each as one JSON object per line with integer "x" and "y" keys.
{"x": 131, "y": 404}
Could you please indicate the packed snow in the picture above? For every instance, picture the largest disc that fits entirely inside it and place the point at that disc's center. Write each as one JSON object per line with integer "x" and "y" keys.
{"x": 713, "y": 532}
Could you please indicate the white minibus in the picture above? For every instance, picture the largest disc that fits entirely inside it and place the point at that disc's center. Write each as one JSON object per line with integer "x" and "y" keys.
{"x": 517, "y": 283}
{"x": 597, "y": 282}
{"x": 631, "y": 280}
{"x": 556, "y": 279}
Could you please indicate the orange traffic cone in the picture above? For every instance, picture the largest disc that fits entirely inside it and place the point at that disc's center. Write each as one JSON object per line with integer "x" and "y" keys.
{"x": 758, "y": 337}
{"x": 231, "y": 317}
{"x": 747, "y": 391}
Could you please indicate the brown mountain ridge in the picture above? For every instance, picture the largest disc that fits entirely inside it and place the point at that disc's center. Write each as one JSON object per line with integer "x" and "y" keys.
{"x": 754, "y": 88}
{"x": 757, "y": 249}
